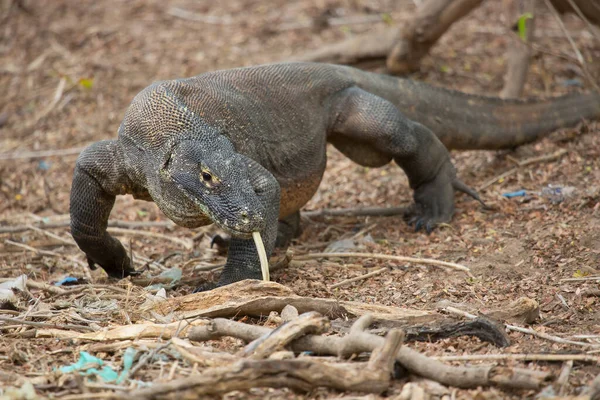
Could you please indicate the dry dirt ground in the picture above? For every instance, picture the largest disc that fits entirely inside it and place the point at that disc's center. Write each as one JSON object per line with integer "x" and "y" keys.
{"x": 68, "y": 70}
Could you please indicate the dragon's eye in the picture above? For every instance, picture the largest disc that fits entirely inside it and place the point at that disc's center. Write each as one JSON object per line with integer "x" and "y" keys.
{"x": 206, "y": 177}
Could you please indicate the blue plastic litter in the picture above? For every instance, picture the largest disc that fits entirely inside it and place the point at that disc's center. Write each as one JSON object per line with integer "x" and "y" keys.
{"x": 44, "y": 165}
{"x": 67, "y": 280}
{"x": 519, "y": 193}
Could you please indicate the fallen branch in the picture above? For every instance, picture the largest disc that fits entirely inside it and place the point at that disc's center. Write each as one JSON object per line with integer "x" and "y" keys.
{"x": 310, "y": 322}
{"x": 373, "y": 45}
{"x": 432, "y": 19}
{"x": 298, "y": 374}
{"x": 414, "y": 362}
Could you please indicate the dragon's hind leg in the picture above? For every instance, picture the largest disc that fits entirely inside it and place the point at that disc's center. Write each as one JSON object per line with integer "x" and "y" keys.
{"x": 372, "y": 131}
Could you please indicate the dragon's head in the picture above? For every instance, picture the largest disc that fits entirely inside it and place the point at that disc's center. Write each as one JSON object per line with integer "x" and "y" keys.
{"x": 216, "y": 179}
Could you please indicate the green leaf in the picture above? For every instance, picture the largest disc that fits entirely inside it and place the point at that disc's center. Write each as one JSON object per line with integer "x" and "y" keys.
{"x": 86, "y": 83}
{"x": 522, "y": 26}
{"x": 387, "y": 19}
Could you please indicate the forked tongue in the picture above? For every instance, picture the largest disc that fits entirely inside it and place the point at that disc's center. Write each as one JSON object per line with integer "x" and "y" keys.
{"x": 262, "y": 255}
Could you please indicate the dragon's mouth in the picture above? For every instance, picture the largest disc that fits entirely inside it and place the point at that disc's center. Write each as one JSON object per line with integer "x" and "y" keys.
{"x": 235, "y": 231}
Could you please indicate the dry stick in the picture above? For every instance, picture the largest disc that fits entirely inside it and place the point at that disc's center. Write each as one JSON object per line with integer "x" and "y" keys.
{"x": 192, "y": 16}
{"x": 528, "y": 161}
{"x": 563, "y": 378}
{"x": 308, "y": 323}
{"x": 549, "y": 337}
{"x": 41, "y": 154}
{"x": 384, "y": 257}
{"x": 42, "y": 286}
{"x": 521, "y": 357}
{"x": 187, "y": 244}
{"x": 46, "y": 252}
{"x": 339, "y": 21}
{"x": 359, "y": 278}
{"x": 583, "y": 17}
{"x": 111, "y": 223}
{"x": 594, "y": 389}
{"x": 46, "y": 325}
{"x": 573, "y": 45}
{"x": 356, "y": 212}
{"x": 373, "y": 45}
{"x": 587, "y": 278}
{"x": 52, "y": 235}
{"x": 413, "y": 361}
{"x": 541, "y": 335}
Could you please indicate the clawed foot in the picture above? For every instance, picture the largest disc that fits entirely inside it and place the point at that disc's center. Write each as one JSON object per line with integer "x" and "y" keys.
{"x": 118, "y": 266}
{"x": 434, "y": 200}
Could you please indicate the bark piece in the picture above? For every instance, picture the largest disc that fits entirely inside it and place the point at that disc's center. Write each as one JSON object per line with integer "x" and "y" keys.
{"x": 432, "y": 20}
{"x": 258, "y": 298}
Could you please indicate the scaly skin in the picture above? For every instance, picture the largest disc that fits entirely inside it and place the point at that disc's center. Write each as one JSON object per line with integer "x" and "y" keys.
{"x": 246, "y": 147}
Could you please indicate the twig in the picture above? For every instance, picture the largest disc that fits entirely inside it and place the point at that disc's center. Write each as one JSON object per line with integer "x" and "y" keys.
{"x": 46, "y": 252}
{"x": 359, "y": 278}
{"x": 591, "y": 27}
{"x": 541, "y": 335}
{"x": 413, "y": 361}
{"x": 523, "y": 163}
{"x": 550, "y": 337}
{"x": 54, "y": 290}
{"x": 580, "y": 58}
{"x": 587, "y": 278}
{"x": 384, "y": 257}
{"x": 46, "y": 325}
{"x": 356, "y": 212}
{"x": 521, "y": 357}
{"x": 192, "y": 16}
{"x": 57, "y": 96}
{"x": 70, "y": 242}
{"x": 185, "y": 243}
{"x": 41, "y": 154}
{"x": 563, "y": 378}
{"x": 113, "y": 223}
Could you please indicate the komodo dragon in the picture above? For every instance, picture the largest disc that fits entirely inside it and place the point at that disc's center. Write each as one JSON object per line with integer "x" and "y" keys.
{"x": 246, "y": 147}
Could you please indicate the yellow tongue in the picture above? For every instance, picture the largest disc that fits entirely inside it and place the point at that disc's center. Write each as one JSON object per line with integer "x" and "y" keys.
{"x": 262, "y": 255}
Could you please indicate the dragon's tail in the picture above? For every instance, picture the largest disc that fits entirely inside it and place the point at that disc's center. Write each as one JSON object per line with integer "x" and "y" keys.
{"x": 463, "y": 121}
